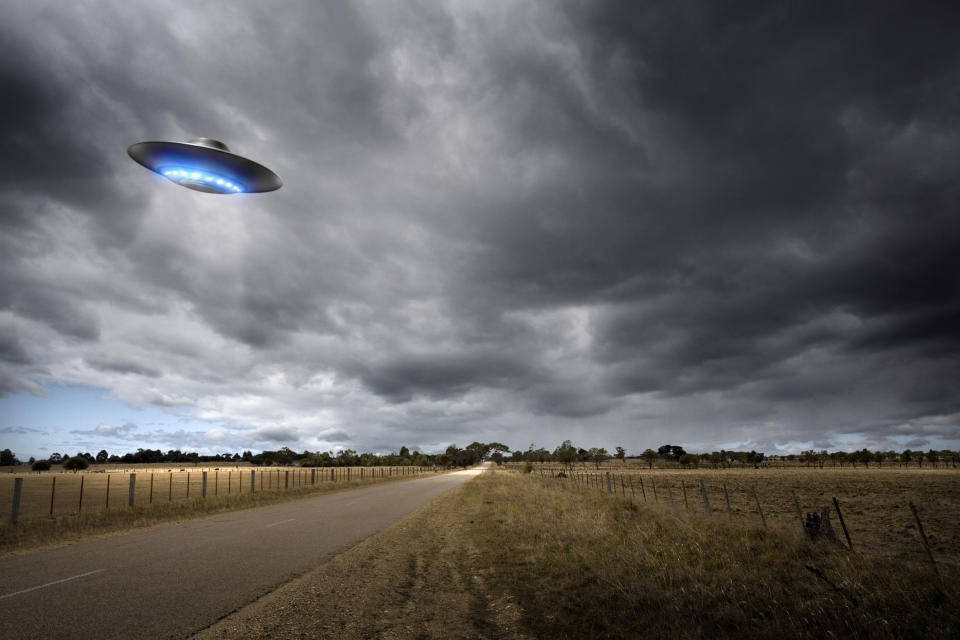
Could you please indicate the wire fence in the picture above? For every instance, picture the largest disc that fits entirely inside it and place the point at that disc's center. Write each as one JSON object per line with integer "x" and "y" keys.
{"x": 906, "y": 514}
{"x": 53, "y": 494}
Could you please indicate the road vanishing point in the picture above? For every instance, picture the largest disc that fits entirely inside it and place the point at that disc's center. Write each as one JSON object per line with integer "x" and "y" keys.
{"x": 174, "y": 580}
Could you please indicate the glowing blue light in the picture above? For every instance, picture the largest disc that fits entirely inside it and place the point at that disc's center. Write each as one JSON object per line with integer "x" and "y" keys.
{"x": 201, "y": 179}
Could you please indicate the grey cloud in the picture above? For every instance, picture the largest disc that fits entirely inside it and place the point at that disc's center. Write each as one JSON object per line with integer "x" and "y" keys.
{"x": 124, "y": 366}
{"x": 750, "y": 211}
{"x": 19, "y": 430}
{"x": 279, "y": 434}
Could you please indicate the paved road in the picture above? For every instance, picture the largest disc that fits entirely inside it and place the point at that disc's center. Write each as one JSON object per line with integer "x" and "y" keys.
{"x": 172, "y": 581}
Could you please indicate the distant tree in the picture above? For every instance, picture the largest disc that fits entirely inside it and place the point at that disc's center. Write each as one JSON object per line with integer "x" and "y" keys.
{"x": 687, "y": 459}
{"x": 55, "y": 458}
{"x": 102, "y": 456}
{"x": 404, "y": 452}
{"x": 566, "y": 453}
{"x": 76, "y": 463}
{"x": 649, "y": 456}
{"x": 477, "y": 452}
{"x": 906, "y": 457}
{"x": 497, "y": 457}
{"x": 671, "y": 452}
{"x": 933, "y": 456}
{"x": 598, "y": 455}
{"x": 41, "y": 465}
{"x": 622, "y": 455}
{"x": 7, "y": 459}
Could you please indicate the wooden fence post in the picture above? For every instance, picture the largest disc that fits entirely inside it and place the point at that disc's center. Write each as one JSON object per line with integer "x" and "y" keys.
{"x": 80, "y": 503}
{"x": 286, "y": 479}
{"x": 727, "y": 497}
{"x": 203, "y": 486}
{"x": 108, "y": 493}
{"x": 609, "y": 486}
{"x": 923, "y": 536}
{"x": 53, "y": 490}
{"x": 670, "y": 493}
{"x": 796, "y": 503}
{"x": 759, "y": 509}
{"x": 253, "y": 480}
{"x": 842, "y": 523}
{"x": 133, "y": 484}
{"x": 313, "y": 476}
{"x": 642, "y": 490}
{"x": 706, "y": 499}
{"x": 683, "y": 486}
{"x": 17, "y": 491}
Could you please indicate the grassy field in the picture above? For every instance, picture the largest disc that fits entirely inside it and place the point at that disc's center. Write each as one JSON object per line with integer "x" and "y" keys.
{"x": 524, "y": 556}
{"x": 162, "y": 494}
{"x": 874, "y": 502}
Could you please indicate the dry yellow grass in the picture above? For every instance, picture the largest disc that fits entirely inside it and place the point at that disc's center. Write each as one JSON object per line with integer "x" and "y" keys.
{"x": 54, "y": 493}
{"x": 583, "y": 563}
{"x": 874, "y": 502}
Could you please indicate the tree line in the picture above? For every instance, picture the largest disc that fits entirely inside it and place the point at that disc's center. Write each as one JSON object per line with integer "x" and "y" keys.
{"x": 673, "y": 455}
{"x": 566, "y": 453}
{"x": 453, "y": 456}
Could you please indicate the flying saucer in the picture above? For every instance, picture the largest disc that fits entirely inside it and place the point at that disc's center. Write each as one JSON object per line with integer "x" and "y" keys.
{"x": 206, "y": 165}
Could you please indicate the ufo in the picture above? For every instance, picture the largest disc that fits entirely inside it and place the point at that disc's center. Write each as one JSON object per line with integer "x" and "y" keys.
{"x": 206, "y": 165}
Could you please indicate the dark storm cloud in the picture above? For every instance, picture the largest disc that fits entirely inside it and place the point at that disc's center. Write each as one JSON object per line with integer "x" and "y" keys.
{"x": 557, "y": 217}
{"x": 123, "y": 366}
{"x": 783, "y": 197}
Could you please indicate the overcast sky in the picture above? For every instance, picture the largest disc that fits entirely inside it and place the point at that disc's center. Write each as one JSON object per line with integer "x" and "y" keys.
{"x": 620, "y": 223}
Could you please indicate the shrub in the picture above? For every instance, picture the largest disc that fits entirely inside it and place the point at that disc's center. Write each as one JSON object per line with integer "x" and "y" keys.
{"x": 76, "y": 463}
{"x": 527, "y": 467}
{"x": 41, "y": 465}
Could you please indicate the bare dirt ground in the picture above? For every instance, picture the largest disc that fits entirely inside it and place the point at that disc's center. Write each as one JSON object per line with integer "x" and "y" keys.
{"x": 419, "y": 578}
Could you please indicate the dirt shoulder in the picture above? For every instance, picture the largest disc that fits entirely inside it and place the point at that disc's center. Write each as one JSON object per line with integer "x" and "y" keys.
{"x": 419, "y": 578}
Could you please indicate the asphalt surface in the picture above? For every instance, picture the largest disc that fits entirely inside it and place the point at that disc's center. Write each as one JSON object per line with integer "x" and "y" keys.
{"x": 172, "y": 581}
